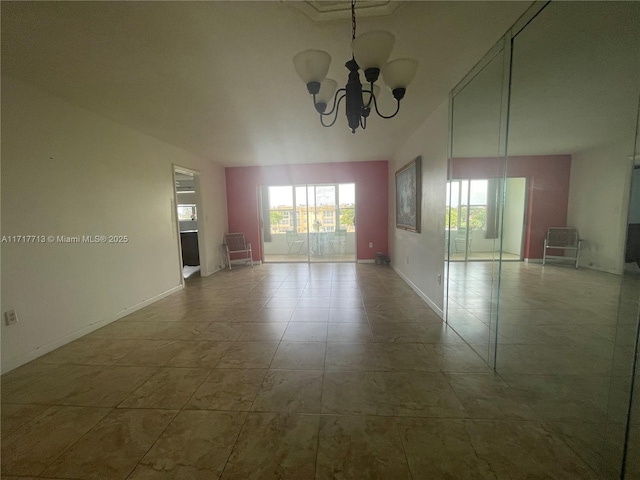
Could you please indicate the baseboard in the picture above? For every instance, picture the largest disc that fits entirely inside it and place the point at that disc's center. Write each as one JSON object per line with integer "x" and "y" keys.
{"x": 366, "y": 260}
{"x": 8, "y": 365}
{"x": 239, "y": 262}
{"x": 420, "y": 293}
{"x": 533, "y": 260}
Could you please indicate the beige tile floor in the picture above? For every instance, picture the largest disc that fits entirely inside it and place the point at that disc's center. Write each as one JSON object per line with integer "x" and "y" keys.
{"x": 565, "y": 341}
{"x": 330, "y": 371}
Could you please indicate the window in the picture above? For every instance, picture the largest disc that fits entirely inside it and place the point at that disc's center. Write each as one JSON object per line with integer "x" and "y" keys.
{"x": 280, "y": 209}
{"x": 346, "y": 206}
{"x": 467, "y": 204}
{"x": 478, "y": 204}
{"x": 187, "y": 212}
{"x": 311, "y": 207}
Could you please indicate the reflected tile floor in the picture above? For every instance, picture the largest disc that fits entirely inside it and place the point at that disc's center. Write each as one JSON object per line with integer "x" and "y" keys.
{"x": 564, "y": 342}
{"x": 327, "y": 371}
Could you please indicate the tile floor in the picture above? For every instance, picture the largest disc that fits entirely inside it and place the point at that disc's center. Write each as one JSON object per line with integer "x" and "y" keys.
{"x": 565, "y": 341}
{"x": 327, "y": 371}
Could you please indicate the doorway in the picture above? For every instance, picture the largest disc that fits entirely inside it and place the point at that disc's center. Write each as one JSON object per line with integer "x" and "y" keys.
{"x": 632, "y": 250}
{"x": 309, "y": 223}
{"x": 188, "y": 213}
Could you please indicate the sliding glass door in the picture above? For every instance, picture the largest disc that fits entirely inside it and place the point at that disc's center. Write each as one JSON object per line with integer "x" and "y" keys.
{"x": 474, "y": 210}
{"x": 309, "y": 223}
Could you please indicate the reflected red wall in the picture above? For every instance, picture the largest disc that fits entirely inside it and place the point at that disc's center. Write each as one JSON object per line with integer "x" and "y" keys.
{"x": 372, "y": 197}
{"x": 548, "y": 190}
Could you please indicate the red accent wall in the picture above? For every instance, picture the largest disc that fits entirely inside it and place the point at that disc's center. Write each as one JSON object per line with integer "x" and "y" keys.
{"x": 372, "y": 198}
{"x": 548, "y": 187}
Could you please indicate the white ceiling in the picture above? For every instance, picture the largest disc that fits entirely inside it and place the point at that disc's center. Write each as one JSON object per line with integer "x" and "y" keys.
{"x": 575, "y": 85}
{"x": 217, "y": 79}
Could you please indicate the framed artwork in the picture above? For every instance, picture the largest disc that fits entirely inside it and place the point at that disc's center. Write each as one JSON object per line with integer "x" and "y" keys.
{"x": 409, "y": 196}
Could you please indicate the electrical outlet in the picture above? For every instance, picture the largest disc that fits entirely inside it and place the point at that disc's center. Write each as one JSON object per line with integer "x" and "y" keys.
{"x": 370, "y": 244}
{"x": 10, "y": 317}
{"x": 439, "y": 279}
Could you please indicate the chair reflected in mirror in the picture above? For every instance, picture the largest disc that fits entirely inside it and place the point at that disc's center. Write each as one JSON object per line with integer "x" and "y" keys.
{"x": 562, "y": 240}
{"x": 461, "y": 241}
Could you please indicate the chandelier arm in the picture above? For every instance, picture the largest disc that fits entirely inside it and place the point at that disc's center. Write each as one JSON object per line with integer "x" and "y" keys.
{"x": 335, "y": 102}
{"x": 335, "y": 118}
{"x": 336, "y": 105}
{"x": 375, "y": 104}
{"x": 371, "y": 96}
{"x": 363, "y": 123}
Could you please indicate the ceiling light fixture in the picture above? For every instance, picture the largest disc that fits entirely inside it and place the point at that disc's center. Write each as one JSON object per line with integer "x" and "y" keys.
{"x": 371, "y": 51}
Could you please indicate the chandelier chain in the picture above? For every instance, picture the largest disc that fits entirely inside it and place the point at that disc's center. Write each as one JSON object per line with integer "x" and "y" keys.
{"x": 353, "y": 19}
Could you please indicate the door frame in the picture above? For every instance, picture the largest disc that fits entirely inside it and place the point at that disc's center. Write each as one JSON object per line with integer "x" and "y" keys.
{"x": 199, "y": 223}
{"x": 525, "y": 216}
{"x": 263, "y": 221}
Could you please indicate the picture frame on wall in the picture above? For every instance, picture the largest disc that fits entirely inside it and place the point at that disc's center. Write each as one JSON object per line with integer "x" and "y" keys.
{"x": 409, "y": 196}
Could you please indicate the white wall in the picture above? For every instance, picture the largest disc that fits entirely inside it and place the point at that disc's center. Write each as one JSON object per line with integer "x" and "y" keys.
{"x": 481, "y": 244}
{"x": 419, "y": 257}
{"x": 599, "y": 204}
{"x": 69, "y": 172}
{"x": 514, "y": 215}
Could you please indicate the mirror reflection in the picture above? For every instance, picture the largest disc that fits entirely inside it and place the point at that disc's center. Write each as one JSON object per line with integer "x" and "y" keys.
{"x": 566, "y": 336}
{"x": 473, "y": 204}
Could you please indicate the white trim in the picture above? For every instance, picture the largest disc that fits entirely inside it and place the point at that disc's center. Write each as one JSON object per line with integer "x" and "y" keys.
{"x": 533, "y": 260}
{"x": 176, "y": 221}
{"x": 321, "y": 12}
{"x": 366, "y": 260}
{"x": 238, "y": 262}
{"x": 421, "y": 294}
{"x": 8, "y": 365}
{"x": 202, "y": 252}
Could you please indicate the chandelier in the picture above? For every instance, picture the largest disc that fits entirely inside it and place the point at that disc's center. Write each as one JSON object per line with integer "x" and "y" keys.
{"x": 371, "y": 51}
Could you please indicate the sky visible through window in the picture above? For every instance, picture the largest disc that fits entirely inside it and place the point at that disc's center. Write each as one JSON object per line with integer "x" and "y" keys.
{"x": 478, "y": 192}
{"x": 283, "y": 196}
